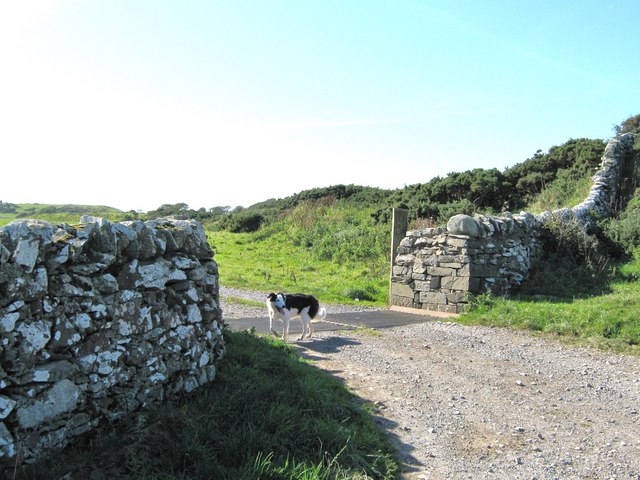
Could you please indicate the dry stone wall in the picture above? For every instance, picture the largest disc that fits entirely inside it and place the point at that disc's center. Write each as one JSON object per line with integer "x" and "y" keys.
{"x": 97, "y": 320}
{"x": 436, "y": 268}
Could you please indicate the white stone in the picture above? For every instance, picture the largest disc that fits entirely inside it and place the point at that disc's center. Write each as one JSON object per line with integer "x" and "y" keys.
{"x": 37, "y": 334}
{"x": 26, "y": 253}
{"x": 193, "y": 314}
{"x": 8, "y": 322}
{"x": 82, "y": 320}
{"x": 7, "y": 445}
{"x": 124, "y": 328}
{"x": 6, "y": 406}
{"x": 61, "y": 398}
{"x": 204, "y": 360}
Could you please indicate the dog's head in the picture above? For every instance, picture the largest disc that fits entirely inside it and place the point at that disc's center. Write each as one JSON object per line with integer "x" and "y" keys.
{"x": 277, "y": 300}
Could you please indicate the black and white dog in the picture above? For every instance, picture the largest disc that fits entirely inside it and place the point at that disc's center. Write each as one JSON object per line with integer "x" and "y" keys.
{"x": 287, "y": 306}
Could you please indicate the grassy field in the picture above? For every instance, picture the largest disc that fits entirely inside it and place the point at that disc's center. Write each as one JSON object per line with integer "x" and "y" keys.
{"x": 270, "y": 415}
{"x": 274, "y": 263}
{"x": 58, "y": 213}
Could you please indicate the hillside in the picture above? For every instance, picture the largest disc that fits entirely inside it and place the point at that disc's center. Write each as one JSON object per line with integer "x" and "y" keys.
{"x": 57, "y": 213}
{"x": 566, "y": 167}
{"x": 334, "y": 241}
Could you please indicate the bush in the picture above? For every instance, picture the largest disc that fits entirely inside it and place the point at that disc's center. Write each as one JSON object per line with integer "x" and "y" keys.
{"x": 574, "y": 262}
{"x": 242, "y": 222}
{"x": 624, "y": 230}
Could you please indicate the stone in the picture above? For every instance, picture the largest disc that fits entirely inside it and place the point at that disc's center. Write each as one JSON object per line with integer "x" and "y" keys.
{"x": 36, "y": 334}
{"x": 433, "y": 297}
{"x": 439, "y": 271}
{"x": 7, "y": 444}
{"x": 54, "y": 371}
{"x": 8, "y": 322}
{"x": 463, "y": 225}
{"x": 401, "y": 290}
{"x": 6, "y": 406}
{"x": 61, "y": 398}
{"x": 26, "y": 253}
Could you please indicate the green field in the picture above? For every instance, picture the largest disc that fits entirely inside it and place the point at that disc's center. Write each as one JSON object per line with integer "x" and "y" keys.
{"x": 274, "y": 263}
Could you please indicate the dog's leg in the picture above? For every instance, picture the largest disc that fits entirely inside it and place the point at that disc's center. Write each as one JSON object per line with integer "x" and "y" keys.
{"x": 285, "y": 333}
{"x": 271, "y": 315}
{"x": 306, "y": 325}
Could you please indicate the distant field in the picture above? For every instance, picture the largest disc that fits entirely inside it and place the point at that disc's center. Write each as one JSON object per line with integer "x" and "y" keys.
{"x": 57, "y": 213}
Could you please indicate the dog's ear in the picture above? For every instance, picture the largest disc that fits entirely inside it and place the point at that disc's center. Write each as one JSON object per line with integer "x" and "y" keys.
{"x": 271, "y": 296}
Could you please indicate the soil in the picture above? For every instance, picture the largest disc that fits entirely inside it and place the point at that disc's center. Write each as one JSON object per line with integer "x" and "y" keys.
{"x": 489, "y": 403}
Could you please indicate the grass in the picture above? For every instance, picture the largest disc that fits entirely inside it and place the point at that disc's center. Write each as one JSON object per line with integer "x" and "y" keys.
{"x": 244, "y": 301}
{"x": 565, "y": 190}
{"x": 608, "y": 320}
{"x": 273, "y": 262}
{"x": 270, "y": 415}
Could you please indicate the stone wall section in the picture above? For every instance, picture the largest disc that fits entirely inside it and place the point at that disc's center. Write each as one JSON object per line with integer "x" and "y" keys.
{"x": 437, "y": 268}
{"x": 97, "y": 320}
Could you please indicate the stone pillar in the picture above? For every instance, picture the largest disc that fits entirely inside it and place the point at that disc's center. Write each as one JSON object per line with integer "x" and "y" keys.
{"x": 398, "y": 232}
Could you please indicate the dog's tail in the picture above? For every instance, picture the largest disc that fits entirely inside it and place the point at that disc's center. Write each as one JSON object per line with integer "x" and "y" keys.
{"x": 321, "y": 315}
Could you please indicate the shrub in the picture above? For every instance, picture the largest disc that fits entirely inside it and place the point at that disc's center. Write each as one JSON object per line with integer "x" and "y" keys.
{"x": 574, "y": 262}
{"x": 242, "y": 222}
{"x": 624, "y": 230}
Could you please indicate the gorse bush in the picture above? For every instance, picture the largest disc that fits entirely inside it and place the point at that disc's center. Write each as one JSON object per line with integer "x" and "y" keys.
{"x": 242, "y": 222}
{"x": 624, "y": 230}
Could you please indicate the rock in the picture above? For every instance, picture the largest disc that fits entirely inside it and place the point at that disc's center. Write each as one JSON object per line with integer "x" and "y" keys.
{"x": 463, "y": 225}
{"x": 61, "y": 398}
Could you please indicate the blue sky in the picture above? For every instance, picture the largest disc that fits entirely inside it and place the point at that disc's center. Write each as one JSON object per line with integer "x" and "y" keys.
{"x": 135, "y": 103}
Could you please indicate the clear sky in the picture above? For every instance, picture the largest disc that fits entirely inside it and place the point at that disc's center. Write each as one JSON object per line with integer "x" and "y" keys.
{"x": 136, "y": 103}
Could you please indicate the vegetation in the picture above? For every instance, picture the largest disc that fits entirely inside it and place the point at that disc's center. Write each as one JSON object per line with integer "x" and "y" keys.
{"x": 334, "y": 251}
{"x": 333, "y": 242}
{"x": 586, "y": 288}
{"x": 58, "y": 213}
{"x": 270, "y": 415}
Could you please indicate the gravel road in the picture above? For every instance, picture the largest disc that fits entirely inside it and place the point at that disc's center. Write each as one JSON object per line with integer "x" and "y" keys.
{"x": 489, "y": 403}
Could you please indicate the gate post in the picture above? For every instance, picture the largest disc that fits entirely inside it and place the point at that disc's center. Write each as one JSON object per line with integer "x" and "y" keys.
{"x": 399, "y": 227}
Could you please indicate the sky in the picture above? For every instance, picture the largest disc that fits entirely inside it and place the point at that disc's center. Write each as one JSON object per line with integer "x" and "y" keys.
{"x": 138, "y": 103}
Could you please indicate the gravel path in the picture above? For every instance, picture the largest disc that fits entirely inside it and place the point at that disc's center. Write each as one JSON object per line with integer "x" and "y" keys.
{"x": 489, "y": 403}
{"x": 233, "y": 309}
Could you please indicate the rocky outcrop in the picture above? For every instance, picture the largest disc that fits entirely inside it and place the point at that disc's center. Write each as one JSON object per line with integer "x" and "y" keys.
{"x": 97, "y": 320}
{"x": 436, "y": 268}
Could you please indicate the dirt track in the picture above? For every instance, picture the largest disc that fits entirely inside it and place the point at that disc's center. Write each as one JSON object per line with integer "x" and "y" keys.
{"x": 475, "y": 402}
{"x": 488, "y": 403}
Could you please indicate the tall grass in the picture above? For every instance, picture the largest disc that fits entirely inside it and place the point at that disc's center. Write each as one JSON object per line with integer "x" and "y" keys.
{"x": 336, "y": 253}
{"x": 270, "y": 415}
{"x": 567, "y": 190}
